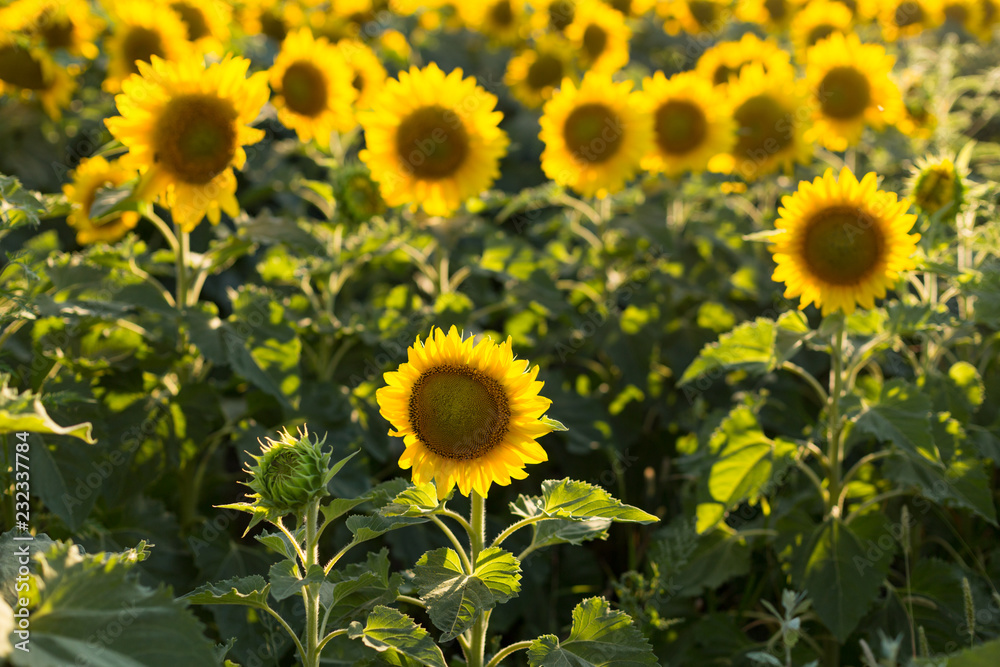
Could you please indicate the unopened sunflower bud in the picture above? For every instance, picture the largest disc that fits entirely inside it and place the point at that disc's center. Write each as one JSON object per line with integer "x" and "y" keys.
{"x": 290, "y": 472}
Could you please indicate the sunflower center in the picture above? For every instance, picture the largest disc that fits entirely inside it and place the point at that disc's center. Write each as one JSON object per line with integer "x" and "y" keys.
{"x": 844, "y": 93}
{"x": 141, "y": 44}
{"x": 680, "y": 126}
{"x": 272, "y": 25}
{"x": 195, "y": 137}
{"x": 819, "y": 32}
{"x": 908, "y": 13}
{"x": 594, "y": 41}
{"x": 702, "y": 11}
{"x": 764, "y": 127}
{"x": 722, "y": 74}
{"x": 777, "y": 9}
{"x": 304, "y": 89}
{"x": 842, "y": 245}
{"x": 956, "y": 13}
{"x": 58, "y": 33}
{"x": 20, "y": 68}
{"x": 458, "y": 412}
{"x": 624, "y": 6}
{"x": 193, "y": 18}
{"x": 547, "y": 70}
{"x": 561, "y": 14}
{"x": 358, "y": 83}
{"x": 935, "y": 189}
{"x": 501, "y": 14}
{"x": 432, "y": 142}
{"x": 593, "y": 133}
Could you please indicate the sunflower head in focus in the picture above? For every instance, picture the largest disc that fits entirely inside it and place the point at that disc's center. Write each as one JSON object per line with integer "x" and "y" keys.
{"x": 69, "y": 25}
{"x": 851, "y": 88}
{"x": 691, "y": 123}
{"x": 141, "y": 29}
{"x": 817, "y": 21}
{"x": 185, "y": 126}
{"x": 552, "y": 16}
{"x": 843, "y": 242}
{"x": 313, "y": 87}
{"x": 695, "y": 16}
{"x": 773, "y": 15}
{"x": 469, "y": 415}
{"x": 595, "y": 135}
{"x": 723, "y": 62}
{"x": 937, "y": 184}
{"x": 367, "y": 73}
{"x": 28, "y": 72}
{"x": 534, "y": 74}
{"x": 502, "y": 21}
{"x": 770, "y": 130}
{"x": 206, "y": 22}
{"x": 905, "y": 18}
{"x": 433, "y": 140}
{"x": 90, "y": 176}
{"x": 600, "y": 36}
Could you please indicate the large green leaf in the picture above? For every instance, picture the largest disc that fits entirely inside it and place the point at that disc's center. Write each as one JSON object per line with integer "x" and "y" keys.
{"x": 900, "y": 415}
{"x": 962, "y": 482}
{"x": 92, "y": 608}
{"x": 416, "y": 500}
{"x": 747, "y": 461}
{"x": 368, "y": 527}
{"x": 599, "y": 637}
{"x": 18, "y": 206}
{"x": 249, "y": 591}
{"x": 286, "y": 582}
{"x": 398, "y": 638}
{"x": 455, "y": 599}
{"x": 843, "y": 570}
{"x": 352, "y": 592}
{"x": 984, "y": 655}
{"x": 578, "y": 501}
{"x": 756, "y": 347}
{"x": 24, "y": 412}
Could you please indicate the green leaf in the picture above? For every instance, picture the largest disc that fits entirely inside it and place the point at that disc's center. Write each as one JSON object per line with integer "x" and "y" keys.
{"x": 455, "y": 599}
{"x": 352, "y": 592}
{"x": 842, "y": 572}
{"x": 285, "y": 583}
{"x": 961, "y": 482}
{"x": 578, "y": 501}
{"x": 24, "y": 412}
{"x": 900, "y": 415}
{"x": 18, "y": 206}
{"x": 83, "y": 597}
{"x": 395, "y": 636}
{"x": 369, "y": 527}
{"x": 416, "y": 500}
{"x": 747, "y": 461}
{"x": 756, "y": 347}
{"x": 599, "y": 637}
{"x": 984, "y": 655}
{"x": 249, "y": 591}
{"x": 562, "y": 531}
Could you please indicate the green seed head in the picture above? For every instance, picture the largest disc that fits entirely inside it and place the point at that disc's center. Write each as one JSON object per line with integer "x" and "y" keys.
{"x": 290, "y": 472}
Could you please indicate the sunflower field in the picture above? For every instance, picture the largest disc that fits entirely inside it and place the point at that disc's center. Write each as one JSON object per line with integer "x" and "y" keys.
{"x": 500, "y": 333}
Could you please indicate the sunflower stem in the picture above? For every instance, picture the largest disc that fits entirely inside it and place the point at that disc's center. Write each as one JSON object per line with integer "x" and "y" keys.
{"x": 183, "y": 249}
{"x": 835, "y": 452}
{"x": 310, "y": 593}
{"x": 477, "y": 647}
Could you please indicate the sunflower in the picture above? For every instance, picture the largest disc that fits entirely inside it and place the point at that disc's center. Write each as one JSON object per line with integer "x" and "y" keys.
{"x": 726, "y": 60}
{"x": 206, "y": 22}
{"x": 770, "y": 126}
{"x": 937, "y": 185}
{"x": 313, "y": 87}
{"x": 90, "y": 176}
{"x": 817, "y": 21}
{"x": 534, "y": 74}
{"x": 691, "y": 123}
{"x": 594, "y": 135}
{"x": 393, "y": 46}
{"x": 773, "y": 15}
{"x": 843, "y": 242}
{"x": 503, "y": 21}
{"x": 695, "y": 16}
{"x": 905, "y": 18}
{"x": 964, "y": 14}
{"x": 851, "y": 88}
{"x": 600, "y": 35}
{"x": 469, "y": 415}
{"x": 632, "y": 8}
{"x": 67, "y": 24}
{"x": 368, "y": 74}
{"x": 433, "y": 140}
{"x": 991, "y": 16}
{"x": 915, "y": 119}
{"x": 32, "y": 73}
{"x": 185, "y": 126}
{"x": 272, "y": 18}
{"x": 141, "y": 29}
{"x": 552, "y": 15}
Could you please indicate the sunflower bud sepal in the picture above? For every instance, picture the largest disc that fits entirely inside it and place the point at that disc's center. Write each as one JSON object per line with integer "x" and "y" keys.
{"x": 289, "y": 474}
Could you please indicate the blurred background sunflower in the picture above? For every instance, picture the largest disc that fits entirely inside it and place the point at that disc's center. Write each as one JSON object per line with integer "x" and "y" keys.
{"x": 89, "y": 177}
{"x": 534, "y": 74}
{"x": 141, "y": 29}
{"x": 600, "y": 36}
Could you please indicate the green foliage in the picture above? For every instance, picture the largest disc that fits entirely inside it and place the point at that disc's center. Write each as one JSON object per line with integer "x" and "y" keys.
{"x": 399, "y": 640}
{"x": 598, "y": 637}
